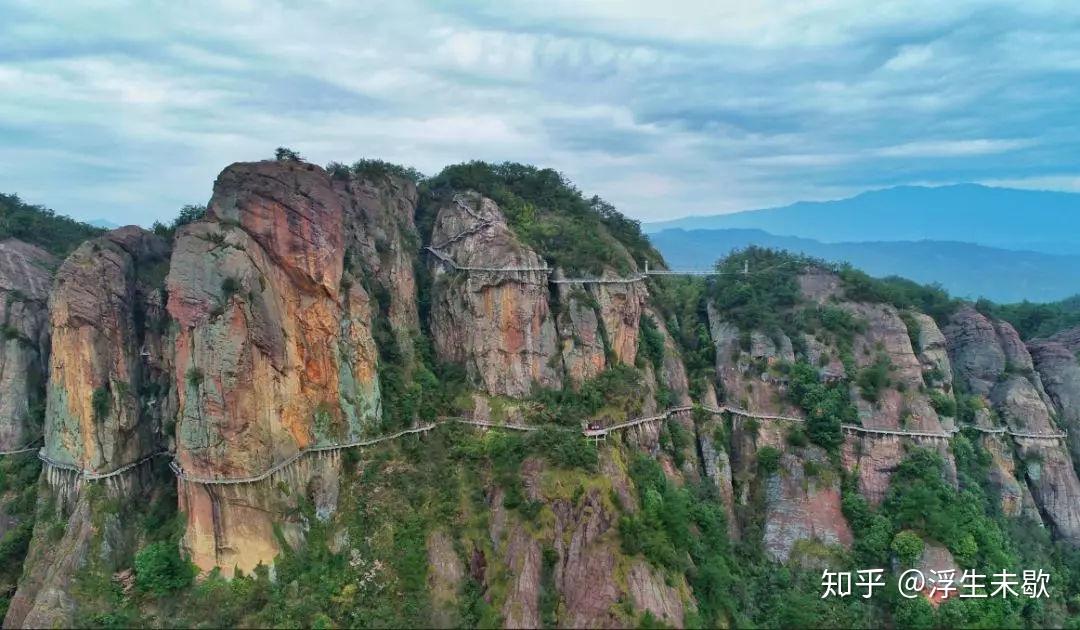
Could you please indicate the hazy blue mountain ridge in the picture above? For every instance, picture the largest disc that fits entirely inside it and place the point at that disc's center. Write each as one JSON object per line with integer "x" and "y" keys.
{"x": 964, "y": 269}
{"x": 1032, "y": 220}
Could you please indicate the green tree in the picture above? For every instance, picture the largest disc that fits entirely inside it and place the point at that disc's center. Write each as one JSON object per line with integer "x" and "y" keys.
{"x": 283, "y": 154}
{"x": 908, "y": 547}
{"x": 159, "y": 569}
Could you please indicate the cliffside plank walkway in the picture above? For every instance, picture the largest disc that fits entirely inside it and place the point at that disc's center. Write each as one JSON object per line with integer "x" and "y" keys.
{"x": 443, "y": 257}
{"x": 31, "y": 446}
{"x": 89, "y": 475}
{"x": 180, "y": 474}
{"x": 594, "y": 434}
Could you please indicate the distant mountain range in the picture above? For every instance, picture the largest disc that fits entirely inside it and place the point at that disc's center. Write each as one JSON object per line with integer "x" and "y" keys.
{"x": 964, "y": 269}
{"x": 1029, "y": 220}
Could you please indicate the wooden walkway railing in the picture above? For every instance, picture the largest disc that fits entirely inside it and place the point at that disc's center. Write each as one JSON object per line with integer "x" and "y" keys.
{"x": 30, "y": 446}
{"x": 595, "y": 434}
{"x": 89, "y": 475}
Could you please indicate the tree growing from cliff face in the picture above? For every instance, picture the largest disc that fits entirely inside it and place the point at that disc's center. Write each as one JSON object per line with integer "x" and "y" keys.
{"x": 827, "y": 406}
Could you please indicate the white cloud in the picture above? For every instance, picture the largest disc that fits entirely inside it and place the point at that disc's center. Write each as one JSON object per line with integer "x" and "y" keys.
{"x": 1069, "y": 183}
{"x": 953, "y": 148}
{"x": 666, "y": 109}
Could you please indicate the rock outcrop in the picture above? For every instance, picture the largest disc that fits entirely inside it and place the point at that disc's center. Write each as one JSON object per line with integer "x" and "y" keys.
{"x": 496, "y": 323}
{"x": 901, "y": 405}
{"x": 109, "y": 392}
{"x": 274, "y": 353}
{"x": 25, "y": 279}
{"x": 991, "y": 362}
{"x": 110, "y": 367}
{"x": 1058, "y": 365}
{"x": 381, "y": 244}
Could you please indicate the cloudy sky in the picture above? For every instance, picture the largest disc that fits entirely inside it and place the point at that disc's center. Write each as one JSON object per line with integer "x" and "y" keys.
{"x": 126, "y": 111}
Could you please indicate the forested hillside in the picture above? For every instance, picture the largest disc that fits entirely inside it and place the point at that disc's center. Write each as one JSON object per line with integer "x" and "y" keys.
{"x": 37, "y": 225}
{"x": 359, "y": 397}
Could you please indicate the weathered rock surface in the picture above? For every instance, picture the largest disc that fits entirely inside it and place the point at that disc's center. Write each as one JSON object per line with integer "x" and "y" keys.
{"x": 744, "y": 373}
{"x": 933, "y": 351}
{"x": 445, "y": 576}
{"x": 497, "y": 324}
{"x": 650, "y": 593}
{"x": 1059, "y": 370}
{"x": 109, "y": 370}
{"x": 620, "y": 307}
{"x": 523, "y": 562}
{"x": 901, "y": 405}
{"x": 974, "y": 349}
{"x": 25, "y": 279}
{"x": 990, "y": 360}
{"x": 584, "y": 572}
{"x": 382, "y": 242}
{"x": 108, "y": 394}
{"x": 44, "y": 598}
{"x": 583, "y": 344}
{"x": 274, "y": 352}
{"x": 803, "y": 507}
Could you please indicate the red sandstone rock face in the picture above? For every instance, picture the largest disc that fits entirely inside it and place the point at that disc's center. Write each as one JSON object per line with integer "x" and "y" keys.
{"x": 745, "y": 370}
{"x": 109, "y": 367}
{"x": 25, "y": 278}
{"x": 290, "y": 209}
{"x": 272, "y": 355}
{"x": 108, "y": 394}
{"x": 499, "y": 325}
{"x": 583, "y": 353}
{"x": 903, "y": 405}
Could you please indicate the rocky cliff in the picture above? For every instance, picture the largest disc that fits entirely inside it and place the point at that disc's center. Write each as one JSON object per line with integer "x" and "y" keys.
{"x": 1057, "y": 361}
{"x": 108, "y": 395}
{"x": 296, "y": 315}
{"x": 516, "y": 346}
{"x": 109, "y": 370}
{"x": 994, "y": 365}
{"x": 381, "y": 244}
{"x": 25, "y": 279}
{"x": 274, "y": 352}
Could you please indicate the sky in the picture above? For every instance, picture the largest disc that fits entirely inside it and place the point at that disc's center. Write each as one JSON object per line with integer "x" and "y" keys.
{"x": 127, "y": 111}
